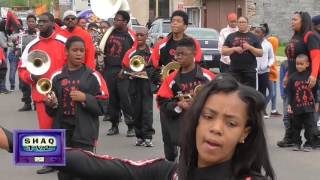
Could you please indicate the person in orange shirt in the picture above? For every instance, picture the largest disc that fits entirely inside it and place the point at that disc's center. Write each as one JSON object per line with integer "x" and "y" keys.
{"x": 273, "y": 77}
{"x": 72, "y": 29}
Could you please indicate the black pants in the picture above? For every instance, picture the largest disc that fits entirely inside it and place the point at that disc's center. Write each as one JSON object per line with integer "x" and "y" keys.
{"x": 70, "y": 143}
{"x": 3, "y": 73}
{"x": 119, "y": 98}
{"x": 299, "y": 121}
{"x": 245, "y": 77}
{"x": 263, "y": 83}
{"x": 224, "y": 68}
{"x": 170, "y": 149}
{"x": 143, "y": 107}
{"x": 26, "y": 92}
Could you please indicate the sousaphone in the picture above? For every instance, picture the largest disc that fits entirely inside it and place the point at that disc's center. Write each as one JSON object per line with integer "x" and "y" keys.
{"x": 105, "y": 9}
{"x": 38, "y": 62}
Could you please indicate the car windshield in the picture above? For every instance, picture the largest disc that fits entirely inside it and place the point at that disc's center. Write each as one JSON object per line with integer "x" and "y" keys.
{"x": 134, "y": 21}
{"x": 199, "y": 33}
{"x": 166, "y": 28}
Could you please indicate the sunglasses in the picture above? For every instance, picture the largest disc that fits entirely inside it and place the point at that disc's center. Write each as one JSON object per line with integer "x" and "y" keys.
{"x": 69, "y": 18}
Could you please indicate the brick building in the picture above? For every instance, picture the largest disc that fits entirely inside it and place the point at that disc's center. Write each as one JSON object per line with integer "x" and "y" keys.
{"x": 277, "y": 13}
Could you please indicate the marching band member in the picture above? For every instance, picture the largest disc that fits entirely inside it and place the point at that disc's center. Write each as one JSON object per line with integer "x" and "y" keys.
{"x": 182, "y": 81}
{"x": 71, "y": 29}
{"x": 117, "y": 44}
{"x": 53, "y": 44}
{"x": 140, "y": 90}
{"x": 164, "y": 53}
{"x": 77, "y": 100}
{"x": 46, "y": 41}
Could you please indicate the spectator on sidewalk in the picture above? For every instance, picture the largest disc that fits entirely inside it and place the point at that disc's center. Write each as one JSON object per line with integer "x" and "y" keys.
{"x": 224, "y": 33}
{"x": 273, "y": 77}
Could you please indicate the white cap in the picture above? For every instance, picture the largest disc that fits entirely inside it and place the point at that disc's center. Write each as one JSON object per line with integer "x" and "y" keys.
{"x": 69, "y": 13}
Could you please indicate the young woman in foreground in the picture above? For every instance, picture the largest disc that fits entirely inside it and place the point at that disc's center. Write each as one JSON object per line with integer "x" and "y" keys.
{"x": 222, "y": 138}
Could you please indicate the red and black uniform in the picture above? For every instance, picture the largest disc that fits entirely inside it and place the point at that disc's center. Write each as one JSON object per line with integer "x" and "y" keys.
{"x": 177, "y": 83}
{"x": 243, "y": 66}
{"x": 117, "y": 44}
{"x": 55, "y": 48}
{"x": 164, "y": 52}
{"x": 80, "y": 120}
{"x": 140, "y": 92}
{"x": 302, "y": 101}
{"x": 90, "y": 49}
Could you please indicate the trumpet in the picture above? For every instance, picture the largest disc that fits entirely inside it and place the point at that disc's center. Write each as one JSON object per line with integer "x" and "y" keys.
{"x": 38, "y": 62}
{"x": 44, "y": 86}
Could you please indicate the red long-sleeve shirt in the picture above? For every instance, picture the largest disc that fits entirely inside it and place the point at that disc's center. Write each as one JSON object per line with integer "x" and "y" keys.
{"x": 90, "y": 50}
{"x": 54, "y": 46}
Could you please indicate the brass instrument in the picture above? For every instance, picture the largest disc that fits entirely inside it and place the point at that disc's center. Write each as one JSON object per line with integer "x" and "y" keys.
{"x": 38, "y": 62}
{"x": 135, "y": 75}
{"x": 105, "y": 9}
{"x": 168, "y": 69}
{"x": 44, "y": 86}
{"x": 190, "y": 96}
{"x": 137, "y": 64}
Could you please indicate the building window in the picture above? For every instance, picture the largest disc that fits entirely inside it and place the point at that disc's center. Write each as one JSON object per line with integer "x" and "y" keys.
{"x": 163, "y": 8}
{"x": 194, "y": 16}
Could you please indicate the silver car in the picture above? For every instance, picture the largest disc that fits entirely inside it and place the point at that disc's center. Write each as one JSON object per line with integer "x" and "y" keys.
{"x": 159, "y": 28}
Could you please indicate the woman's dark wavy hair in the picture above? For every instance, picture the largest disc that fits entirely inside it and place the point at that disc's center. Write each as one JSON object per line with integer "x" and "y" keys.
{"x": 250, "y": 158}
{"x": 306, "y": 22}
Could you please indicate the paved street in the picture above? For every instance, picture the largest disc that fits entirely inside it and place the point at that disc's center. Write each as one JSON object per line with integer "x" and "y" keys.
{"x": 288, "y": 165}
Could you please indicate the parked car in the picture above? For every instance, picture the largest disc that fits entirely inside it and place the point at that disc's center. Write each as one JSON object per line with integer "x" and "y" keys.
{"x": 208, "y": 39}
{"x": 136, "y": 27}
{"x": 159, "y": 28}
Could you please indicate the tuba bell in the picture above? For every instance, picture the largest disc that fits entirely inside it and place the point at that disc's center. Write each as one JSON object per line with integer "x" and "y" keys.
{"x": 113, "y": 6}
{"x": 137, "y": 63}
{"x": 38, "y": 62}
{"x": 44, "y": 86}
{"x": 169, "y": 68}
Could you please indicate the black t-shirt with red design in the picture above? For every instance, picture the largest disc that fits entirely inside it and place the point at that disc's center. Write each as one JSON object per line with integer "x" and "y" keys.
{"x": 119, "y": 42}
{"x": 168, "y": 52}
{"x": 69, "y": 84}
{"x": 245, "y": 61}
{"x": 297, "y": 46}
{"x": 188, "y": 82}
{"x": 300, "y": 96}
